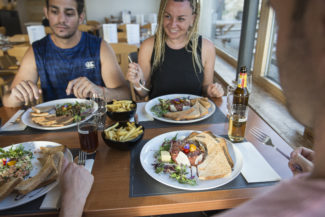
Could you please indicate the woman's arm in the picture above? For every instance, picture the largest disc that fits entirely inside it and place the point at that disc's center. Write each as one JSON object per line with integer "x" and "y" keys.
{"x": 141, "y": 72}
{"x": 210, "y": 89}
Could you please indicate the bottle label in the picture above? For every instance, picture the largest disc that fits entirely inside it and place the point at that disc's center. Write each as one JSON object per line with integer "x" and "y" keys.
{"x": 242, "y": 81}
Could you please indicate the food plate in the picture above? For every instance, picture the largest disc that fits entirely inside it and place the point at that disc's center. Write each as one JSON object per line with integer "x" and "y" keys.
{"x": 155, "y": 101}
{"x": 28, "y": 121}
{"x": 13, "y": 199}
{"x": 152, "y": 146}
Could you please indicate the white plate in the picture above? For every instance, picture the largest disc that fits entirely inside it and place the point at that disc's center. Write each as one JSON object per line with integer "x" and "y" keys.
{"x": 151, "y": 147}
{"x": 12, "y": 201}
{"x": 155, "y": 101}
{"x": 28, "y": 121}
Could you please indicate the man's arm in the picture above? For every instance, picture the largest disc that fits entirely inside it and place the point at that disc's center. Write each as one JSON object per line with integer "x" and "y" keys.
{"x": 116, "y": 85}
{"x": 24, "y": 86}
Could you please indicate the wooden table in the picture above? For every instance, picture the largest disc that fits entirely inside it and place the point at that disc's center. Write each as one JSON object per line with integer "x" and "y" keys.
{"x": 110, "y": 193}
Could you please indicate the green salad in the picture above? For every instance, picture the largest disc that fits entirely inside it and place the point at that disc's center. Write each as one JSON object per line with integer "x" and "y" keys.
{"x": 176, "y": 172}
{"x": 79, "y": 111}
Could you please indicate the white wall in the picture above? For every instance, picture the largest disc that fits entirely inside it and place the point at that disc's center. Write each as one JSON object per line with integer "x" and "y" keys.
{"x": 98, "y": 9}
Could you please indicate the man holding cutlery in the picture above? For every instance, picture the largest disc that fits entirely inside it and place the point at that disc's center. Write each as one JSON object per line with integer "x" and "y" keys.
{"x": 67, "y": 62}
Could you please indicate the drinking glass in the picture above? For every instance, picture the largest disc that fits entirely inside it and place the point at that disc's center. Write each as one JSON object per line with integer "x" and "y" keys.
{"x": 88, "y": 137}
{"x": 100, "y": 114}
{"x": 230, "y": 97}
{"x": 237, "y": 114}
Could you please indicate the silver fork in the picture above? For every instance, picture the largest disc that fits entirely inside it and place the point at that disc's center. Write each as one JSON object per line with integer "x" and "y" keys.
{"x": 82, "y": 157}
{"x": 265, "y": 139}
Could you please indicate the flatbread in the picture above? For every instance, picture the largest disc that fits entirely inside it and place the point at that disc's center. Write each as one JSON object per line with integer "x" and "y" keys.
{"x": 217, "y": 163}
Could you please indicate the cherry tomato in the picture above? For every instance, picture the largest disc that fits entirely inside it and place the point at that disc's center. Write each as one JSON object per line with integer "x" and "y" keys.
{"x": 192, "y": 147}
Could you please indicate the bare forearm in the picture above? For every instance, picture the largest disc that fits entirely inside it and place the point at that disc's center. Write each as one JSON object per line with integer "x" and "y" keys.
{"x": 10, "y": 101}
{"x": 72, "y": 206}
{"x": 118, "y": 93}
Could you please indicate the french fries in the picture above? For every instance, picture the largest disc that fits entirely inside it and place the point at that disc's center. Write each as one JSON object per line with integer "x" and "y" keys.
{"x": 123, "y": 134}
{"x": 121, "y": 106}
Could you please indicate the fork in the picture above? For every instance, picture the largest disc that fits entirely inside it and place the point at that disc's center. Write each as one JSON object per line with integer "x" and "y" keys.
{"x": 265, "y": 139}
{"x": 82, "y": 157}
{"x": 18, "y": 119}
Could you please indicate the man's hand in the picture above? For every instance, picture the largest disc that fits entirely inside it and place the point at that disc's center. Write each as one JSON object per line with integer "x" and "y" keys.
{"x": 301, "y": 160}
{"x": 215, "y": 90}
{"x": 76, "y": 183}
{"x": 26, "y": 92}
{"x": 82, "y": 87}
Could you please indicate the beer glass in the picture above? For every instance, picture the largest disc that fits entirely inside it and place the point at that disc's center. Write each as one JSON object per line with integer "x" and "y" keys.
{"x": 238, "y": 114}
{"x": 88, "y": 136}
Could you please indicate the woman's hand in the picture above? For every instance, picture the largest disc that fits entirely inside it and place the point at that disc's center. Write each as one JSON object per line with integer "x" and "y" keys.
{"x": 215, "y": 90}
{"x": 301, "y": 160}
{"x": 134, "y": 74}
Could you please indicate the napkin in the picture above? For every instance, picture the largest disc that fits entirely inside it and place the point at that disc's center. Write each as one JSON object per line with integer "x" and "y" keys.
{"x": 10, "y": 126}
{"x": 142, "y": 114}
{"x": 52, "y": 198}
{"x": 255, "y": 167}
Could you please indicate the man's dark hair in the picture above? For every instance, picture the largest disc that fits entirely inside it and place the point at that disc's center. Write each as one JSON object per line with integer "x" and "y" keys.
{"x": 80, "y": 5}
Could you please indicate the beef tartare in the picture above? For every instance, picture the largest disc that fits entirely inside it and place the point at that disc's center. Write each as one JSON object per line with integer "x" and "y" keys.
{"x": 15, "y": 163}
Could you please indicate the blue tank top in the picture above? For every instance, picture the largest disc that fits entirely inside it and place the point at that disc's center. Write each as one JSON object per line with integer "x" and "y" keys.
{"x": 177, "y": 74}
{"x": 57, "y": 67}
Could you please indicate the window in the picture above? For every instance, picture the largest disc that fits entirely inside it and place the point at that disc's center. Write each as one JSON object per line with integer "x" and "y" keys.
{"x": 265, "y": 71}
{"x": 227, "y": 20}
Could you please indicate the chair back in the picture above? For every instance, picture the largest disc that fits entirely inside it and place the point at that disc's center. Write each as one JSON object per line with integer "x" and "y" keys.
{"x": 18, "y": 52}
{"x": 19, "y": 38}
{"x": 122, "y": 50}
{"x": 3, "y": 30}
{"x": 87, "y": 28}
{"x": 48, "y": 30}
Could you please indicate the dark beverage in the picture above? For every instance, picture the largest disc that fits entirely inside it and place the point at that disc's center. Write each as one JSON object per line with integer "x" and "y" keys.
{"x": 241, "y": 93}
{"x": 88, "y": 137}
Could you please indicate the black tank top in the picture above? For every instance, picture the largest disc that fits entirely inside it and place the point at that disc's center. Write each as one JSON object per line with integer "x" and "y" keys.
{"x": 177, "y": 74}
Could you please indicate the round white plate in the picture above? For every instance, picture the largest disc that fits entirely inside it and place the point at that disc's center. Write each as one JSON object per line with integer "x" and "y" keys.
{"x": 13, "y": 199}
{"x": 28, "y": 121}
{"x": 151, "y": 147}
{"x": 155, "y": 101}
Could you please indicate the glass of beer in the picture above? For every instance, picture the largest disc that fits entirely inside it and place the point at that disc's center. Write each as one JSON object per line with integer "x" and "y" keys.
{"x": 88, "y": 136}
{"x": 237, "y": 122}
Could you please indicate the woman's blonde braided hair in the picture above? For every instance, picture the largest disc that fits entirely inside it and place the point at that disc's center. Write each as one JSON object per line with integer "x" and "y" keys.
{"x": 192, "y": 35}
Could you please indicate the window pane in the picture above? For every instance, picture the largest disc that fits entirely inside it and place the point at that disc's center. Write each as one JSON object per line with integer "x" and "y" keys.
{"x": 227, "y": 21}
{"x": 272, "y": 71}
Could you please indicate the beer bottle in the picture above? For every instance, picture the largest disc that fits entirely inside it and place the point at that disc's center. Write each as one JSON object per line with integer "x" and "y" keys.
{"x": 241, "y": 93}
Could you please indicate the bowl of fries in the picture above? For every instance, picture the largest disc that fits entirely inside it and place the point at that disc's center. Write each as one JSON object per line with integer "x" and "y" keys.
{"x": 123, "y": 135}
{"x": 121, "y": 110}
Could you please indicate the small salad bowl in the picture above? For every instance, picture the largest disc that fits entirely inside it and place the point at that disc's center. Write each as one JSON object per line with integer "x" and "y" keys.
{"x": 121, "y": 116}
{"x": 125, "y": 145}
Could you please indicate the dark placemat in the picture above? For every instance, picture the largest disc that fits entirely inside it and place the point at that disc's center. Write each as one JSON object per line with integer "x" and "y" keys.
{"x": 34, "y": 206}
{"x": 141, "y": 184}
{"x": 217, "y": 117}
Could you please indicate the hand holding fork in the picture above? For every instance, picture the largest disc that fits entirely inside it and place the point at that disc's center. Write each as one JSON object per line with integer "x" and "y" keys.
{"x": 297, "y": 162}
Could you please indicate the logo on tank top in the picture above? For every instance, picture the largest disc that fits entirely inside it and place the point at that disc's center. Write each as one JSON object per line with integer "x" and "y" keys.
{"x": 90, "y": 65}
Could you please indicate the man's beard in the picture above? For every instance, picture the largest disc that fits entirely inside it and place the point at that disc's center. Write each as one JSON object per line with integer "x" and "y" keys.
{"x": 67, "y": 36}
